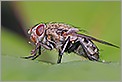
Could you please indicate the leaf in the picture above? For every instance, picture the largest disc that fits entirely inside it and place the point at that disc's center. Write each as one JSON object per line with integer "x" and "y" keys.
{"x": 16, "y": 69}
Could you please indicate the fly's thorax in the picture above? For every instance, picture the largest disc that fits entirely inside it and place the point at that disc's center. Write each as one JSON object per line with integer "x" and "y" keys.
{"x": 57, "y": 25}
{"x": 55, "y": 34}
{"x": 59, "y": 31}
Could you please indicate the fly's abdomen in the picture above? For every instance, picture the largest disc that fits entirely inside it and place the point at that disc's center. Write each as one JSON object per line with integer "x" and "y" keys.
{"x": 89, "y": 49}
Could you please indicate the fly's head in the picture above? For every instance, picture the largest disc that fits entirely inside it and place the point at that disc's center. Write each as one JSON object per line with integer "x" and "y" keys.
{"x": 37, "y": 33}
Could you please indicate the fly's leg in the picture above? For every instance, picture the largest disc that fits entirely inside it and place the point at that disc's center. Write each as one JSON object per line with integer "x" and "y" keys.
{"x": 39, "y": 48}
{"x": 28, "y": 57}
{"x": 63, "y": 49}
{"x": 39, "y": 53}
{"x": 33, "y": 52}
{"x": 59, "y": 57}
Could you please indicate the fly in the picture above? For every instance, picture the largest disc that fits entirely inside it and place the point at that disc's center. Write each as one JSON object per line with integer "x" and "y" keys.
{"x": 63, "y": 38}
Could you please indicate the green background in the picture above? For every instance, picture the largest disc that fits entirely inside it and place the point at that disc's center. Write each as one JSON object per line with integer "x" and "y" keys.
{"x": 99, "y": 19}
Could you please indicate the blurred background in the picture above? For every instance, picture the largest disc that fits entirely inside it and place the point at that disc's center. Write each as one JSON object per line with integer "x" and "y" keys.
{"x": 99, "y": 19}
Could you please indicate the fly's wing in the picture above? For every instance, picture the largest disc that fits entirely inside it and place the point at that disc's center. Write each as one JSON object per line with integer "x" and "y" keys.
{"x": 94, "y": 39}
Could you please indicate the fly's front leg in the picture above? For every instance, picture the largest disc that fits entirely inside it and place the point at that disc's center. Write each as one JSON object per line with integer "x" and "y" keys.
{"x": 64, "y": 46}
{"x": 33, "y": 52}
{"x": 39, "y": 50}
{"x": 39, "y": 53}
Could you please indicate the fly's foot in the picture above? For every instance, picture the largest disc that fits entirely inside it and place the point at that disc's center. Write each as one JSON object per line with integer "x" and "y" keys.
{"x": 28, "y": 57}
{"x": 33, "y": 56}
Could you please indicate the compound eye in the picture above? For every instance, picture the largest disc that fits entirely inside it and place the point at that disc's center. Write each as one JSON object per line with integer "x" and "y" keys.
{"x": 40, "y": 30}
